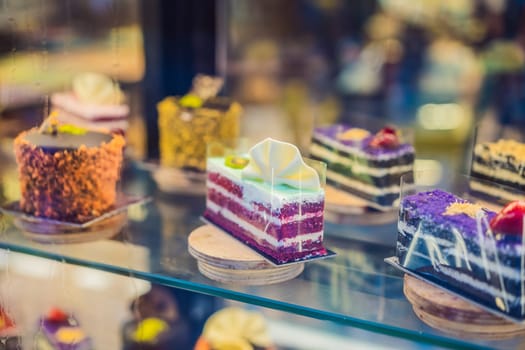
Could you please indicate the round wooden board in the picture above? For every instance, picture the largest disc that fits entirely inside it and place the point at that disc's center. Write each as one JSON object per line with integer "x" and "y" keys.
{"x": 453, "y": 315}
{"x": 344, "y": 208}
{"x": 222, "y": 258}
{"x": 49, "y": 233}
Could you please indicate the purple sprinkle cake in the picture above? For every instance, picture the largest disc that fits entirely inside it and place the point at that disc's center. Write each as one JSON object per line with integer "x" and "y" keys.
{"x": 277, "y": 219}
{"x": 456, "y": 244}
{"x": 364, "y": 164}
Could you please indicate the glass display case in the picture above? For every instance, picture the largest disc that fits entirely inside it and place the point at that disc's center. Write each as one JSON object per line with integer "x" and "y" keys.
{"x": 438, "y": 67}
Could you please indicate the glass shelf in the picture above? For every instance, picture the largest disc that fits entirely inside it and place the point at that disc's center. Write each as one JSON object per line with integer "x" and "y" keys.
{"x": 356, "y": 288}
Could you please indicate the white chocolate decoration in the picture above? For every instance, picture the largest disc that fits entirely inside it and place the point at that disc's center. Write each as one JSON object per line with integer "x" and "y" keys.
{"x": 276, "y": 162}
{"x": 97, "y": 89}
{"x": 235, "y": 328}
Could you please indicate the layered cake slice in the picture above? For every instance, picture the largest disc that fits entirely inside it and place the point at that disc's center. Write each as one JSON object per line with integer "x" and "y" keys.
{"x": 468, "y": 249}
{"x": 366, "y": 165}
{"x": 269, "y": 199}
{"x": 501, "y": 163}
{"x": 95, "y": 102}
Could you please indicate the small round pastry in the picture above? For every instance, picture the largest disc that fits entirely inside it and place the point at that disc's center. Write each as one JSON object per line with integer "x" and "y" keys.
{"x": 68, "y": 173}
{"x": 233, "y": 328}
{"x": 157, "y": 324}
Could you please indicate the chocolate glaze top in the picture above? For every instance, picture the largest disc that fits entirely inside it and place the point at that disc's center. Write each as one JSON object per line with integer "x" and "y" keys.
{"x": 66, "y": 141}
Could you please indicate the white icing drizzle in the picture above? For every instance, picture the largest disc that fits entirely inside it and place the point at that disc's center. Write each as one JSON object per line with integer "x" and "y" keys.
{"x": 460, "y": 249}
{"x": 492, "y": 242}
{"x": 481, "y": 237}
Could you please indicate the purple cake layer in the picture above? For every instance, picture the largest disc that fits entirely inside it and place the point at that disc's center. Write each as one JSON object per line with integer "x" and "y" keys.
{"x": 289, "y": 209}
{"x": 279, "y": 231}
{"x": 332, "y": 131}
{"x": 432, "y": 205}
{"x": 290, "y": 253}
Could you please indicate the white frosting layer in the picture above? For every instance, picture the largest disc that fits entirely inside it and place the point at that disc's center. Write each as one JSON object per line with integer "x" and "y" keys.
{"x": 494, "y": 191}
{"x": 354, "y": 150}
{"x": 260, "y": 192}
{"x": 113, "y": 125}
{"x": 69, "y": 103}
{"x": 373, "y": 190}
{"x": 252, "y": 208}
{"x": 357, "y": 167}
{"x": 261, "y": 235}
{"x": 276, "y": 163}
{"x": 498, "y": 173}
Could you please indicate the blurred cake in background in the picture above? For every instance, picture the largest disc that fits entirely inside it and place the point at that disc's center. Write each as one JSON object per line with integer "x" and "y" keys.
{"x": 95, "y": 102}
{"x": 61, "y": 331}
{"x": 235, "y": 328}
{"x": 188, "y": 123}
{"x": 68, "y": 173}
{"x": 9, "y": 333}
{"x": 499, "y": 163}
{"x": 156, "y": 323}
{"x": 363, "y": 164}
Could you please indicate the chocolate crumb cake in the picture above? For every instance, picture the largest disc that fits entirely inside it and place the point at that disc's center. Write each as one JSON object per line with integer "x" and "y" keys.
{"x": 67, "y": 173}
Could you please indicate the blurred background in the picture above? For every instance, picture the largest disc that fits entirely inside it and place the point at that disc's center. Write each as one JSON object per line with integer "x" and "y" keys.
{"x": 447, "y": 69}
{"x": 436, "y": 66}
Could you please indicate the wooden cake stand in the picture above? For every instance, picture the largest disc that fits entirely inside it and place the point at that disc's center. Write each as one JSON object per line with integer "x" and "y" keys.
{"x": 222, "y": 258}
{"x": 453, "y": 315}
{"x": 345, "y": 208}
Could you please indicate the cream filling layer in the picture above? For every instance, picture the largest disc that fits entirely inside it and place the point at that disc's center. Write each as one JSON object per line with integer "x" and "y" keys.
{"x": 449, "y": 249}
{"x": 357, "y": 167}
{"x": 358, "y": 152}
{"x": 261, "y": 235}
{"x": 495, "y": 191}
{"x": 376, "y": 191}
{"x": 499, "y": 173}
{"x": 249, "y": 207}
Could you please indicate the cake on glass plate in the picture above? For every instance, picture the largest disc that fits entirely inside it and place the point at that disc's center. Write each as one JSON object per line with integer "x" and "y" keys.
{"x": 68, "y": 173}
{"x": 95, "y": 102}
{"x": 363, "y": 164}
{"x": 268, "y": 198}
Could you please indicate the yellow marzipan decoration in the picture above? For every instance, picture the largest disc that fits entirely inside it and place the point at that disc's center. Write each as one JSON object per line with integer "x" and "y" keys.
{"x": 354, "y": 134}
{"x": 463, "y": 208}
